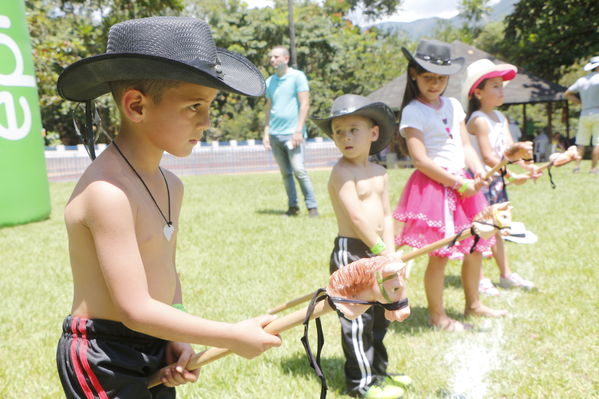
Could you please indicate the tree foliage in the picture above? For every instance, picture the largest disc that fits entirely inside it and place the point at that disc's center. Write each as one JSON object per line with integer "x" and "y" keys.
{"x": 546, "y": 35}
{"x": 337, "y": 56}
{"x": 371, "y": 8}
{"x": 473, "y": 12}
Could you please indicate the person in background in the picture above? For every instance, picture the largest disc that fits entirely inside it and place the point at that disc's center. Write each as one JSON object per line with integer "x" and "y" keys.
{"x": 287, "y": 105}
{"x": 587, "y": 88}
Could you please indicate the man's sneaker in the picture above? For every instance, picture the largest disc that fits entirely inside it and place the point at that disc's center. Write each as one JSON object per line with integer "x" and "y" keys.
{"x": 515, "y": 281}
{"x": 400, "y": 380}
{"x": 313, "y": 212}
{"x": 486, "y": 287}
{"x": 384, "y": 391}
{"x": 292, "y": 211}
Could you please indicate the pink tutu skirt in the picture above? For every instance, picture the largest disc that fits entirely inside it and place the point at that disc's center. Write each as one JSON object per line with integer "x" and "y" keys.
{"x": 430, "y": 212}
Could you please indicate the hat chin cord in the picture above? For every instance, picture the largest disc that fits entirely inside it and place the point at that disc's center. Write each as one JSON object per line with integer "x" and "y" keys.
{"x": 88, "y": 138}
{"x": 87, "y": 135}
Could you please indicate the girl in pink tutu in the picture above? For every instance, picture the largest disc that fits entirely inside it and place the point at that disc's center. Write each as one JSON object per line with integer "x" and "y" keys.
{"x": 440, "y": 199}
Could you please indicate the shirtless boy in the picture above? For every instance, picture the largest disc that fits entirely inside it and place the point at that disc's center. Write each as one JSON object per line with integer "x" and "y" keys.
{"x": 127, "y": 319}
{"x": 358, "y": 191}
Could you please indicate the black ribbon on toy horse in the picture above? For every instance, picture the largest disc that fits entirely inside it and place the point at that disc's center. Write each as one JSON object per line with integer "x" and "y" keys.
{"x": 321, "y": 295}
{"x": 474, "y": 234}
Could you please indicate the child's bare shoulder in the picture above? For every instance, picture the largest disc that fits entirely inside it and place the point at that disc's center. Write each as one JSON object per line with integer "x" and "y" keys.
{"x": 100, "y": 189}
{"x": 377, "y": 169}
{"x": 173, "y": 180}
{"x": 342, "y": 171}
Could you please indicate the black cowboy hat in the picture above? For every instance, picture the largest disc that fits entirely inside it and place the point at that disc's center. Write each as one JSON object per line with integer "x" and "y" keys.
{"x": 435, "y": 57}
{"x": 173, "y": 48}
{"x": 353, "y": 104}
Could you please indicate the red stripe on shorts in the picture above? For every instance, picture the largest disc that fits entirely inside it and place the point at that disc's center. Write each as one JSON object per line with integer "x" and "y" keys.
{"x": 83, "y": 356}
{"x": 75, "y": 360}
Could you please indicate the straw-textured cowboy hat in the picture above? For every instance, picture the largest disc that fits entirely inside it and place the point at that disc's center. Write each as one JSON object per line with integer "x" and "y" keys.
{"x": 435, "y": 57}
{"x": 353, "y": 104}
{"x": 485, "y": 69}
{"x": 174, "y": 48}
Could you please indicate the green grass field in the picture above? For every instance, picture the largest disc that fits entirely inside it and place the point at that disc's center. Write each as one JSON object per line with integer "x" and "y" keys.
{"x": 238, "y": 256}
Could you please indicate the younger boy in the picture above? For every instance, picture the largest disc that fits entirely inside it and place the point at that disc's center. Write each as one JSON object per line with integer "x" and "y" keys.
{"x": 122, "y": 219}
{"x": 358, "y": 191}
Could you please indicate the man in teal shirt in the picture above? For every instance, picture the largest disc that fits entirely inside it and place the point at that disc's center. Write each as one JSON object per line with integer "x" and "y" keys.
{"x": 287, "y": 105}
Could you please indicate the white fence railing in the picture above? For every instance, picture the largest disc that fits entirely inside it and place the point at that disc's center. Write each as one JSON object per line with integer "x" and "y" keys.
{"x": 68, "y": 163}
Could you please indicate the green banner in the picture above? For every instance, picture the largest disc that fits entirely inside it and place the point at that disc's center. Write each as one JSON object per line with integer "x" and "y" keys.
{"x": 24, "y": 191}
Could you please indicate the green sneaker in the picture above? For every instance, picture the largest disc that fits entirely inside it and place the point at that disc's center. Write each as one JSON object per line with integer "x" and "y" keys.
{"x": 385, "y": 391}
{"x": 400, "y": 380}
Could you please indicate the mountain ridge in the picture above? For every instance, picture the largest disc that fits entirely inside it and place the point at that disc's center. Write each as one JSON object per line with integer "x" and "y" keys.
{"x": 419, "y": 28}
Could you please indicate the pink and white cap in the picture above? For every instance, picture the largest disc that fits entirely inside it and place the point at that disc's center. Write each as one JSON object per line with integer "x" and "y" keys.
{"x": 485, "y": 69}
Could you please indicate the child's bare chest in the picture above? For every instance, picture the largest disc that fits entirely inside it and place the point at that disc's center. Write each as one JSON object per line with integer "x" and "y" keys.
{"x": 369, "y": 187}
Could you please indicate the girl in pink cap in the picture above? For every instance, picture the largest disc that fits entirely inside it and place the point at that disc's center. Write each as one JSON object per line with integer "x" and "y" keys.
{"x": 490, "y": 137}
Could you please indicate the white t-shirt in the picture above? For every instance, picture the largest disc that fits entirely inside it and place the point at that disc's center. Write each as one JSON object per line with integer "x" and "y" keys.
{"x": 497, "y": 134}
{"x": 588, "y": 88}
{"x": 440, "y": 129}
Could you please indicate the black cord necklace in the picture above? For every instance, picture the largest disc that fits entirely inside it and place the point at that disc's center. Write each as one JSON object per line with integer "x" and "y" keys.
{"x": 168, "y": 229}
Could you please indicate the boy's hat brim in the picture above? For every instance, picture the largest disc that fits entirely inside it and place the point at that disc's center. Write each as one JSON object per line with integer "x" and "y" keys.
{"x": 353, "y": 104}
{"x": 435, "y": 56}
{"x": 593, "y": 63}
{"x": 173, "y": 48}
{"x": 485, "y": 69}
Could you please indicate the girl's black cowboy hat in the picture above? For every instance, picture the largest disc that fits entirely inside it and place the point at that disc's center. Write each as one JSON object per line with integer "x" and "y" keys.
{"x": 435, "y": 57}
{"x": 173, "y": 48}
{"x": 353, "y": 104}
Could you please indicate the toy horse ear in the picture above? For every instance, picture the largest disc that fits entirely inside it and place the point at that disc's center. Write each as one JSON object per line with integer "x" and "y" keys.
{"x": 393, "y": 267}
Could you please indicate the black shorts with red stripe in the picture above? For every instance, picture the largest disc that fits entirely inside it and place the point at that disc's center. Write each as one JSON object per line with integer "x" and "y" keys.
{"x": 104, "y": 359}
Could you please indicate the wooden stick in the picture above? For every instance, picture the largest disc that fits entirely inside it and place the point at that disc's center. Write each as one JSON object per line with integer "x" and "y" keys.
{"x": 277, "y": 326}
{"x": 290, "y": 304}
{"x": 544, "y": 166}
{"x": 296, "y": 318}
{"x": 496, "y": 168}
{"x": 436, "y": 245}
{"x": 405, "y": 258}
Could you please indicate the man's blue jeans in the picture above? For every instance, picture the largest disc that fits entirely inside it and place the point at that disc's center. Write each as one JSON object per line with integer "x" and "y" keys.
{"x": 291, "y": 162}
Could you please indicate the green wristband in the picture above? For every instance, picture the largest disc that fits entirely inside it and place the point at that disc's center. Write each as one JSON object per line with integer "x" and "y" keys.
{"x": 179, "y": 306}
{"x": 464, "y": 186}
{"x": 378, "y": 247}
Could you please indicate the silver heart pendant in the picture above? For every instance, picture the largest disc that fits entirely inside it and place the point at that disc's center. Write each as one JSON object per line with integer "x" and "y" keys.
{"x": 168, "y": 231}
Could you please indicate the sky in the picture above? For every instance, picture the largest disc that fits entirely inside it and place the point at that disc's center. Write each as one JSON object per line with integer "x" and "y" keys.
{"x": 410, "y": 10}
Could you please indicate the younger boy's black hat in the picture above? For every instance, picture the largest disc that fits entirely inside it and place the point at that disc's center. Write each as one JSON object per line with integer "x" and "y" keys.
{"x": 173, "y": 48}
{"x": 353, "y": 104}
{"x": 435, "y": 57}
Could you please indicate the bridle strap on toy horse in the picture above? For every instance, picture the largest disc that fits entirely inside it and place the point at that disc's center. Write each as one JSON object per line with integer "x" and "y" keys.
{"x": 321, "y": 295}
